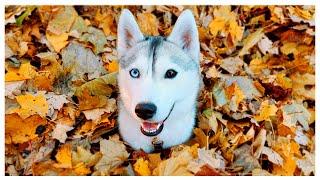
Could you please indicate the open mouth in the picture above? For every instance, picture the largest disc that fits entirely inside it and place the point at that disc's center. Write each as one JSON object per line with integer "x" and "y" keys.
{"x": 153, "y": 128}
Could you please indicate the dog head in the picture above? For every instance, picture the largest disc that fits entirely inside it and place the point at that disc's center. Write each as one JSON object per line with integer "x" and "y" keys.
{"x": 156, "y": 73}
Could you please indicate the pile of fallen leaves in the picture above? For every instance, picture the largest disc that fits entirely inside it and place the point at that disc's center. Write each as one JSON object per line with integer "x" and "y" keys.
{"x": 256, "y": 111}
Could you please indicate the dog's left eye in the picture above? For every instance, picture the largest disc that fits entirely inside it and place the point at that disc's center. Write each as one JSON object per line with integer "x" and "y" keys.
{"x": 170, "y": 74}
{"x": 134, "y": 73}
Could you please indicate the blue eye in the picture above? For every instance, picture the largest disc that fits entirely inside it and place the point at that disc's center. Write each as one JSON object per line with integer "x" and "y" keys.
{"x": 134, "y": 73}
{"x": 170, "y": 74}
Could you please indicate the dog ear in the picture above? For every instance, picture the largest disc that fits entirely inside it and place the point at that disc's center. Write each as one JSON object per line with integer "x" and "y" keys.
{"x": 128, "y": 32}
{"x": 185, "y": 35}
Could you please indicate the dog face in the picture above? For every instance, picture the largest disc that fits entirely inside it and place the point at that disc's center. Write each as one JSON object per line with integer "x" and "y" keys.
{"x": 157, "y": 72}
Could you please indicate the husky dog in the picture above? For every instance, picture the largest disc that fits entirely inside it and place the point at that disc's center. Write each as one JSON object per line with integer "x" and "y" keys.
{"x": 159, "y": 81}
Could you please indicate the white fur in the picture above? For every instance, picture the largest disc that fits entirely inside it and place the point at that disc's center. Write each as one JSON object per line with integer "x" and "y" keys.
{"x": 153, "y": 87}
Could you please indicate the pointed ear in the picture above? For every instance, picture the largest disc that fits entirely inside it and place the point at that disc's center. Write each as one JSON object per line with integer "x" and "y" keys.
{"x": 128, "y": 32}
{"x": 185, "y": 35}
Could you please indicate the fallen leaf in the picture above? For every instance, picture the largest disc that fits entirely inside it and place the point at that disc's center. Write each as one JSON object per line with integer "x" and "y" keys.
{"x": 114, "y": 154}
{"x": 176, "y": 165}
{"x": 55, "y": 102}
{"x": 13, "y": 88}
{"x": 64, "y": 157}
{"x": 142, "y": 167}
{"x": 232, "y": 64}
{"x": 266, "y": 111}
{"x": 62, "y": 20}
{"x": 85, "y": 156}
{"x": 26, "y": 71}
{"x": 303, "y": 85}
{"x": 244, "y": 159}
{"x": 250, "y": 41}
{"x": 225, "y": 22}
{"x": 32, "y": 104}
{"x": 58, "y": 42}
{"x": 148, "y": 24}
{"x": 79, "y": 61}
{"x": 19, "y": 130}
{"x": 96, "y": 37}
{"x": 266, "y": 46}
{"x": 273, "y": 156}
{"x": 60, "y": 132}
{"x": 245, "y": 84}
{"x": 293, "y": 113}
{"x": 307, "y": 164}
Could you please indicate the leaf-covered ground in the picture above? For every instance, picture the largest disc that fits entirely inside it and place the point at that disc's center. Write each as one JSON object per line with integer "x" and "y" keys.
{"x": 256, "y": 109}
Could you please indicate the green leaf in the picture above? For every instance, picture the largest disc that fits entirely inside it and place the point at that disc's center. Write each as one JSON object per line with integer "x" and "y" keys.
{"x": 27, "y": 13}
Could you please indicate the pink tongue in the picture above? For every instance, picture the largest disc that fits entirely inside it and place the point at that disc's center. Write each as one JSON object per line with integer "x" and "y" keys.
{"x": 149, "y": 126}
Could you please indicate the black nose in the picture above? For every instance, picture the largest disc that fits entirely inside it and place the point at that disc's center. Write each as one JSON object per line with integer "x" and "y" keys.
{"x": 145, "y": 110}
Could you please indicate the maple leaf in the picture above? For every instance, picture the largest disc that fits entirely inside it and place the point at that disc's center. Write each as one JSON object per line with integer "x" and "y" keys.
{"x": 85, "y": 156}
{"x": 225, "y": 21}
{"x": 293, "y": 113}
{"x": 273, "y": 156}
{"x": 307, "y": 163}
{"x": 96, "y": 37}
{"x": 114, "y": 154}
{"x": 141, "y": 167}
{"x": 32, "y": 104}
{"x": 58, "y": 41}
{"x": 175, "y": 165}
{"x": 148, "y": 24}
{"x": 62, "y": 20}
{"x": 232, "y": 64}
{"x": 60, "y": 132}
{"x": 25, "y": 71}
{"x": 79, "y": 61}
{"x": 266, "y": 111}
{"x": 13, "y": 88}
{"x": 55, "y": 102}
{"x": 250, "y": 41}
{"x": 19, "y": 130}
{"x": 64, "y": 157}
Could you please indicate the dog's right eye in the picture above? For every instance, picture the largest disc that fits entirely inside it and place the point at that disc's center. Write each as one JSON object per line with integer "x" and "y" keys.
{"x": 134, "y": 73}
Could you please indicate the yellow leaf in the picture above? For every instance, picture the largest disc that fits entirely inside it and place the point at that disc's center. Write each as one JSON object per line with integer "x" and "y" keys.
{"x": 176, "y": 165}
{"x": 283, "y": 81}
{"x": 154, "y": 160}
{"x": 18, "y": 130}
{"x": 148, "y": 24}
{"x": 113, "y": 66}
{"x": 32, "y": 104}
{"x": 287, "y": 149}
{"x": 26, "y": 71}
{"x": 287, "y": 169}
{"x": 84, "y": 156}
{"x": 303, "y": 85}
{"x": 250, "y": 41}
{"x": 216, "y": 26}
{"x": 201, "y": 137}
{"x": 141, "y": 167}
{"x": 257, "y": 65}
{"x": 64, "y": 157}
{"x": 266, "y": 110}
{"x": 81, "y": 170}
{"x": 225, "y": 22}
{"x": 58, "y": 41}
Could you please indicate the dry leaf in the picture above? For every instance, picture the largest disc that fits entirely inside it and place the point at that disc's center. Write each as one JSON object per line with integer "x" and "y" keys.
{"x": 60, "y": 132}
{"x": 20, "y": 130}
{"x": 142, "y": 167}
{"x": 64, "y": 157}
{"x": 32, "y": 104}
{"x": 114, "y": 154}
